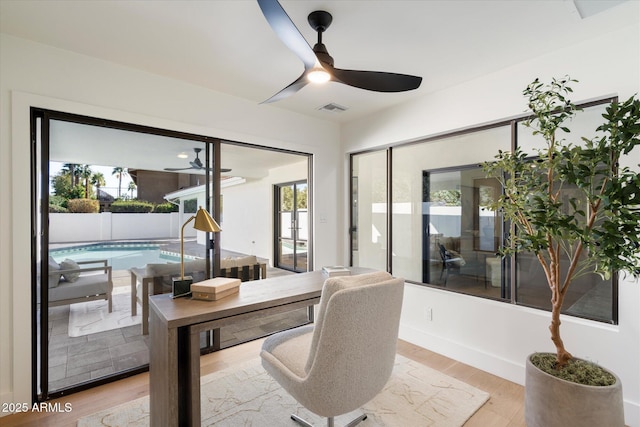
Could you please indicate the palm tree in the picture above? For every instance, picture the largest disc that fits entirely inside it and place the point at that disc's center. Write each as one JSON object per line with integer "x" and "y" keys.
{"x": 132, "y": 186}
{"x": 85, "y": 172}
{"x": 70, "y": 169}
{"x": 98, "y": 180}
{"x": 119, "y": 172}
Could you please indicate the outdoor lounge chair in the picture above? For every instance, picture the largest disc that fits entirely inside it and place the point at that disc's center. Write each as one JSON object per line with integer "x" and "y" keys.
{"x": 72, "y": 282}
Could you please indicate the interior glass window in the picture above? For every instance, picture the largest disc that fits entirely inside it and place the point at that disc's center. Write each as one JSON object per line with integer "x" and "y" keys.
{"x": 441, "y": 232}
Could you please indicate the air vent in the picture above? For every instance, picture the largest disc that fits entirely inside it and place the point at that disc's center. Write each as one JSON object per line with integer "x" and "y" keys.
{"x": 333, "y": 108}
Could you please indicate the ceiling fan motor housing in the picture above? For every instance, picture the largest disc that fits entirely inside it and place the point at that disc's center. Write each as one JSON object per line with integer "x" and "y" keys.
{"x": 320, "y": 20}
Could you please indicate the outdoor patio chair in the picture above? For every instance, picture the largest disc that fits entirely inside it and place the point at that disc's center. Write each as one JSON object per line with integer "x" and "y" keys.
{"x": 72, "y": 282}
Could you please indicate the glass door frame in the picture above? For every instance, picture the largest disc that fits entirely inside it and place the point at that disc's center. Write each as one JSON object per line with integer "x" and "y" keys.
{"x": 40, "y": 147}
{"x": 278, "y": 235}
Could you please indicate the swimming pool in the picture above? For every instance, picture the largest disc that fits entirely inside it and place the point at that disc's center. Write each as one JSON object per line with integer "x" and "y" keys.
{"x": 120, "y": 256}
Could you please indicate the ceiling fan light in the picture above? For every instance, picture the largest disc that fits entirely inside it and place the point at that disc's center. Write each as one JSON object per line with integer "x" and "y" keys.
{"x": 318, "y": 75}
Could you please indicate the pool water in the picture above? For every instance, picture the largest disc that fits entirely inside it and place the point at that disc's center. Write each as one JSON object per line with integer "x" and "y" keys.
{"x": 120, "y": 256}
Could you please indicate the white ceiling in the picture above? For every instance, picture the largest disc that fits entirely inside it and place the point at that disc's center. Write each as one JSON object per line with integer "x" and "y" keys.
{"x": 228, "y": 46}
{"x": 93, "y": 145}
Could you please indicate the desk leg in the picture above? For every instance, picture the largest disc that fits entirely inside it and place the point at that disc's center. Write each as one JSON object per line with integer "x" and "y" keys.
{"x": 191, "y": 375}
{"x": 164, "y": 389}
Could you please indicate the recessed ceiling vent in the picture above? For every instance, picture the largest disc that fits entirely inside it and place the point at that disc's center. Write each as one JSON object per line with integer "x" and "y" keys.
{"x": 333, "y": 108}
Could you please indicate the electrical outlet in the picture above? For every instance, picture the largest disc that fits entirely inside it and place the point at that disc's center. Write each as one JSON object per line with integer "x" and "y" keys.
{"x": 429, "y": 314}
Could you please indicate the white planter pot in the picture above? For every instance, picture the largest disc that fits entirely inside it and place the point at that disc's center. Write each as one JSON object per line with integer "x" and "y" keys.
{"x": 553, "y": 402}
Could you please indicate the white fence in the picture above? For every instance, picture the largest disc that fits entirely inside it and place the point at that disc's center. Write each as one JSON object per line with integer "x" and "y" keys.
{"x": 87, "y": 227}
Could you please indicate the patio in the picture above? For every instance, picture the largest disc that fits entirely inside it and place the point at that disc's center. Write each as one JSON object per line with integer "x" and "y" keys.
{"x": 74, "y": 360}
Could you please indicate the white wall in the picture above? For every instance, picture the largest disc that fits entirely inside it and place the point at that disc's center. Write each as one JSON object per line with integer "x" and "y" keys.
{"x": 37, "y": 75}
{"x": 495, "y": 336}
{"x": 247, "y": 218}
{"x": 490, "y": 335}
{"x": 90, "y": 227}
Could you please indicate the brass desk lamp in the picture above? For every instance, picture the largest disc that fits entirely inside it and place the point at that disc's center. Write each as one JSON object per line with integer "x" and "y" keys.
{"x": 181, "y": 286}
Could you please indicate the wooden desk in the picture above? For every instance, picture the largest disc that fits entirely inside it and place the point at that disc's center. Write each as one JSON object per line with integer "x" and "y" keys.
{"x": 175, "y": 326}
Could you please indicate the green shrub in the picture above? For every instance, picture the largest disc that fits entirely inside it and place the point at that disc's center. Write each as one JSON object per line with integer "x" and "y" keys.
{"x": 131, "y": 206}
{"x": 58, "y": 201}
{"x": 57, "y": 209}
{"x": 83, "y": 206}
{"x": 166, "y": 208}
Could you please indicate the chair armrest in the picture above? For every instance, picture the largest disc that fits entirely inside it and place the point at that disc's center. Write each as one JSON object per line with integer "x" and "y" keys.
{"x": 97, "y": 261}
{"x": 106, "y": 269}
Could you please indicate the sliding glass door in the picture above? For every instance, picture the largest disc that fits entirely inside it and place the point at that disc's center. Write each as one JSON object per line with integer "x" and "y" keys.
{"x": 108, "y": 203}
{"x": 104, "y": 207}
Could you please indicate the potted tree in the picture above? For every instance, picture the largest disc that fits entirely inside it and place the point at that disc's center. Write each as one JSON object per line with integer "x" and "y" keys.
{"x": 593, "y": 228}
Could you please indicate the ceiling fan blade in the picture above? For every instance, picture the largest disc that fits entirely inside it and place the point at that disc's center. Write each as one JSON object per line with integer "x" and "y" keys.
{"x": 287, "y": 32}
{"x": 176, "y": 169}
{"x": 377, "y": 81}
{"x": 224, "y": 170}
{"x": 289, "y": 90}
{"x": 196, "y": 164}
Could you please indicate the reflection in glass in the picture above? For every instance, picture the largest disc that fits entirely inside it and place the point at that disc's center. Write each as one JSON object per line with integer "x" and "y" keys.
{"x": 462, "y": 234}
{"x": 588, "y": 296}
{"x": 411, "y": 252}
{"x": 442, "y": 232}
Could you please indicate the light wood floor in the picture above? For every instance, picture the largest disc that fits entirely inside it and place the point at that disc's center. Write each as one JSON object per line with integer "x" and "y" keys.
{"x": 505, "y": 408}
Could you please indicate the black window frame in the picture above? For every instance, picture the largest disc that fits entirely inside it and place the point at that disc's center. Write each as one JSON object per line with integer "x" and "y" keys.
{"x": 509, "y": 273}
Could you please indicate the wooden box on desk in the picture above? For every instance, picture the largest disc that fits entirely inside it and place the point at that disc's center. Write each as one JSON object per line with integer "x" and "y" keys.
{"x": 214, "y": 289}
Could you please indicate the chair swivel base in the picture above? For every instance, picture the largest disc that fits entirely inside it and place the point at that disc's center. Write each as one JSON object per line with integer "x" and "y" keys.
{"x": 304, "y": 423}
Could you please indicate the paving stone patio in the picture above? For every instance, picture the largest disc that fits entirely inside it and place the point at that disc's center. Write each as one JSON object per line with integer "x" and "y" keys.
{"x": 76, "y": 360}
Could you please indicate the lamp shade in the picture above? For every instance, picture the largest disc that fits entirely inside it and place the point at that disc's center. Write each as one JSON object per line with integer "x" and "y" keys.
{"x": 204, "y": 222}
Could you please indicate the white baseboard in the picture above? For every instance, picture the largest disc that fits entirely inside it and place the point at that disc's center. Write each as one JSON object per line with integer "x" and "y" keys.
{"x": 5, "y": 400}
{"x": 494, "y": 364}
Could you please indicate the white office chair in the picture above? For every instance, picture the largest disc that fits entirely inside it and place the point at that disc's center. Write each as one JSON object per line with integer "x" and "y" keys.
{"x": 346, "y": 358}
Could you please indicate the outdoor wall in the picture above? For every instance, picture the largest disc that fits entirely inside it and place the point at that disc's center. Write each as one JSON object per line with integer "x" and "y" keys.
{"x": 37, "y": 75}
{"x": 490, "y": 335}
{"x": 87, "y": 227}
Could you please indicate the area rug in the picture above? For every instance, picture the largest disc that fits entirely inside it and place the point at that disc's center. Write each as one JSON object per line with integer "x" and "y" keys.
{"x": 415, "y": 396}
{"x": 92, "y": 317}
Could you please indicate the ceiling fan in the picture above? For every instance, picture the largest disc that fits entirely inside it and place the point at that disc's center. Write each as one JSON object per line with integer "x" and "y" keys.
{"x": 195, "y": 164}
{"x": 318, "y": 64}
